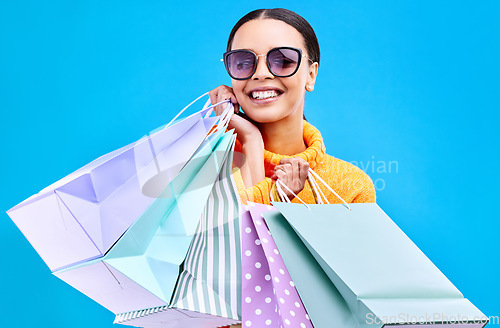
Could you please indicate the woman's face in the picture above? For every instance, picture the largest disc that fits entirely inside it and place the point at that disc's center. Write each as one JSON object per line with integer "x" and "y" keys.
{"x": 260, "y": 36}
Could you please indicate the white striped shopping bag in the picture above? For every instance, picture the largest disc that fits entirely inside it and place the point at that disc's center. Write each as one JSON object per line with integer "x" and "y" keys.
{"x": 210, "y": 280}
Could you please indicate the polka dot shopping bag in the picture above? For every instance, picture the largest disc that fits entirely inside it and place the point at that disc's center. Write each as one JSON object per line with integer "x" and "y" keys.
{"x": 269, "y": 297}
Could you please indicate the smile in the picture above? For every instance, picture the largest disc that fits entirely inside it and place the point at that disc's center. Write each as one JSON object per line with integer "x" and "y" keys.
{"x": 264, "y": 94}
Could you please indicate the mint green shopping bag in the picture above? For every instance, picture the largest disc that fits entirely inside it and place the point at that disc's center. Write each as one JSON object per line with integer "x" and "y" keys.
{"x": 356, "y": 268}
{"x": 208, "y": 290}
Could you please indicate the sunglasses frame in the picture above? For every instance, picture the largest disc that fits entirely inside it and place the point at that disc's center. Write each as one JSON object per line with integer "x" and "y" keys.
{"x": 226, "y": 65}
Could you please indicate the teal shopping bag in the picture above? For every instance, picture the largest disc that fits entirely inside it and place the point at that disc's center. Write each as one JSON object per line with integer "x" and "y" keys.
{"x": 208, "y": 290}
{"x": 356, "y": 268}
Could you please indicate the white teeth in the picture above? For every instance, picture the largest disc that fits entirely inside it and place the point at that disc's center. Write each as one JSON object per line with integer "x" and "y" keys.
{"x": 264, "y": 94}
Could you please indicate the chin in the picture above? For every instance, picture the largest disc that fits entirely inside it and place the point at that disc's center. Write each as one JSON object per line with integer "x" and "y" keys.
{"x": 266, "y": 117}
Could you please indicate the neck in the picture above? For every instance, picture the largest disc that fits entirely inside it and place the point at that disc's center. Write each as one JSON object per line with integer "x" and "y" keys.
{"x": 285, "y": 136}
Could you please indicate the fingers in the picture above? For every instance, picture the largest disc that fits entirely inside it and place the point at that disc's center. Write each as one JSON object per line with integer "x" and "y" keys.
{"x": 298, "y": 167}
{"x": 295, "y": 172}
{"x": 304, "y": 170}
{"x": 292, "y": 172}
{"x": 222, "y": 93}
{"x": 280, "y": 173}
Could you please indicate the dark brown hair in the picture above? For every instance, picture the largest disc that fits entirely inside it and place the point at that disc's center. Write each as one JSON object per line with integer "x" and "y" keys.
{"x": 294, "y": 20}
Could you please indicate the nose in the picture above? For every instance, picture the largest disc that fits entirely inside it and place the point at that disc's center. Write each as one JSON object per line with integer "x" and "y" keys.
{"x": 262, "y": 71}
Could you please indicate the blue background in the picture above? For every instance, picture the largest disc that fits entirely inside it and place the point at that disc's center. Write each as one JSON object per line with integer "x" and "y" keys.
{"x": 409, "y": 82}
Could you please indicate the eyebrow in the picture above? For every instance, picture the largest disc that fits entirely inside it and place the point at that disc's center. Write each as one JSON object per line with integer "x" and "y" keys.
{"x": 244, "y": 49}
{"x": 269, "y": 49}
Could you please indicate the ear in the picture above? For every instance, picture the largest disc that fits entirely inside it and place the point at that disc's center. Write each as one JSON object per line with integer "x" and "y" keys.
{"x": 311, "y": 76}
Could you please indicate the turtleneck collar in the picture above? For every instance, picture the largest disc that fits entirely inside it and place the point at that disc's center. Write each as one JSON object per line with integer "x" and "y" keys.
{"x": 313, "y": 154}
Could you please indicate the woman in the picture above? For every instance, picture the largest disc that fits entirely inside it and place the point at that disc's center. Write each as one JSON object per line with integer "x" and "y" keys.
{"x": 273, "y": 58}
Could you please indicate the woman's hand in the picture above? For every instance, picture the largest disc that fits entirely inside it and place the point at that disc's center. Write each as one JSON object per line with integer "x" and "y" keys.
{"x": 293, "y": 173}
{"x": 251, "y": 164}
{"x": 243, "y": 126}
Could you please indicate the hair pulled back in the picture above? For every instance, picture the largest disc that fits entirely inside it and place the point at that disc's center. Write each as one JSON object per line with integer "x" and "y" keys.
{"x": 294, "y": 20}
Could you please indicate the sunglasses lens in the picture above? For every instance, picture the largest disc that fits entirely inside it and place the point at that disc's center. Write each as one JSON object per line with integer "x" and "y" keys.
{"x": 283, "y": 62}
{"x": 240, "y": 64}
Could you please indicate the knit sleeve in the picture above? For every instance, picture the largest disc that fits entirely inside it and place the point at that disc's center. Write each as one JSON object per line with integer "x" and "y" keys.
{"x": 258, "y": 193}
{"x": 351, "y": 183}
{"x": 365, "y": 189}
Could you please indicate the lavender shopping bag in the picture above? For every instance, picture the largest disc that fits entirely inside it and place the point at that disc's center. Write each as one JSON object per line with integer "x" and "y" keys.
{"x": 269, "y": 295}
{"x": 141, "y": 270}
{"x": 81, "y": 216}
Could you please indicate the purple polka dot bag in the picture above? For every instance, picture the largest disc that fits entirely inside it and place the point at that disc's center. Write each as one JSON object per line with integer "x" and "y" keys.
{"x": 268, "y": 292}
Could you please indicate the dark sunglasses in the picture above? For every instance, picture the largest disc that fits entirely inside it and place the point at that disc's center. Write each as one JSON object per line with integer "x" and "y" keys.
{"x": 281, "y": 62}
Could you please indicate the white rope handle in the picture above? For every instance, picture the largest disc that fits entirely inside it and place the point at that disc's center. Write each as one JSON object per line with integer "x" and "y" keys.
{"x": 319, "y": 193}
{"x": 283, "y": 195}
{"x": 317, "y": 190}
{"x": 225, "y": 117}
{"x": 182, "y": 110}
{"x": 315, "y": 175}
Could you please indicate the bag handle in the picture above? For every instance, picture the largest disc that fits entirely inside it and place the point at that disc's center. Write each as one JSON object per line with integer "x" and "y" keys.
{"x": 313, "y": 175}
{"x": 319, "y": 193}
{"x": 226, "y": 115}
{"x": 283, "y": 195}
{"x": 224, "y": 119}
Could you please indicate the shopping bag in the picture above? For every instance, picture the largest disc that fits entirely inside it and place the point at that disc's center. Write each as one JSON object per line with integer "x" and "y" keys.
{"x": 268, "y": 292}
{"x": 356, "y": 268}
{"x": 166, "y": 317}
{"x": 140, "y": 271}
{"x": 208, "y": 290}
{"x": 81, "y": 216}
{"x": 210, "y": 280}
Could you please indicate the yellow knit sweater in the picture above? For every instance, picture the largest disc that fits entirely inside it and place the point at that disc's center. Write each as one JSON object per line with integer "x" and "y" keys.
{"x": 350, "y": 182}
